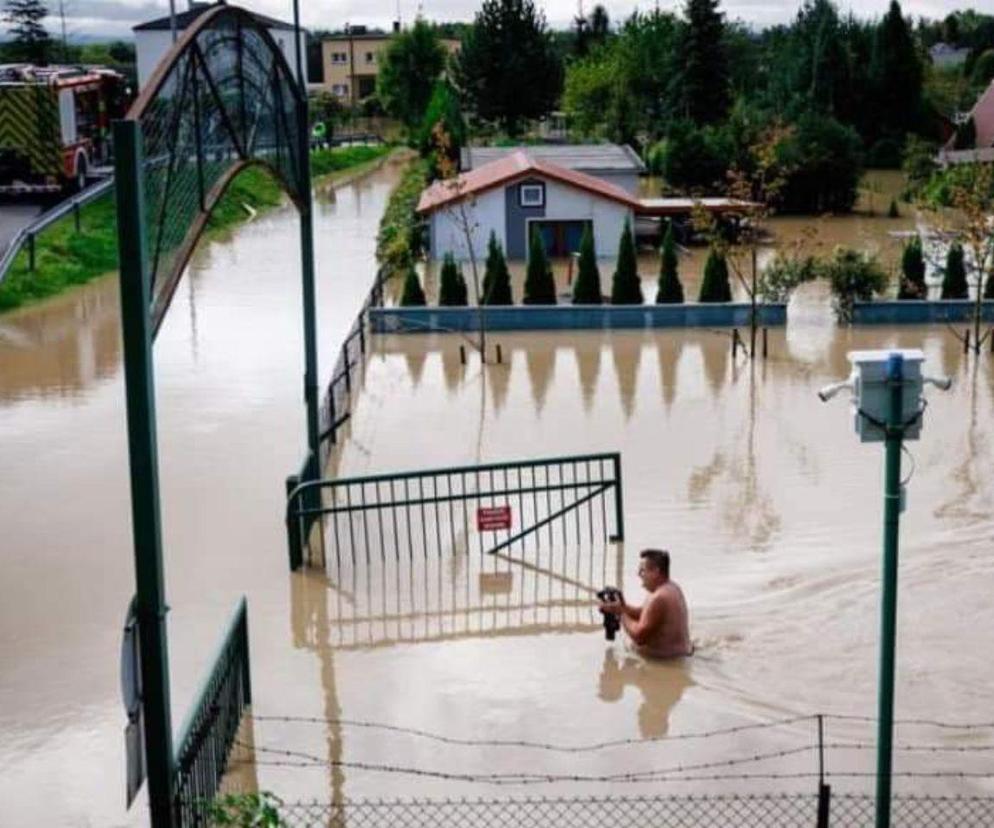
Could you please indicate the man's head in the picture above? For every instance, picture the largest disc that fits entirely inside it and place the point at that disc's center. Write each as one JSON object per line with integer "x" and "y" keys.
{"x": 654, "y": 568}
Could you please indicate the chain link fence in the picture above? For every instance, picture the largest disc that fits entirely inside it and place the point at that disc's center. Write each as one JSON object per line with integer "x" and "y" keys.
{"x": 698, "y": 811}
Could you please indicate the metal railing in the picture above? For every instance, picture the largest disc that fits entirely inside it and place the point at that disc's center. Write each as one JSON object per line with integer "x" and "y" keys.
{"x": 26, "y": 237}
{"x": 427, "y": 512}
{"x": 210, "y": 729}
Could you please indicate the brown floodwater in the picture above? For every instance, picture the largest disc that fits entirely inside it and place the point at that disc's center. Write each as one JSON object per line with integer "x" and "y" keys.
{"x": 771, "y": 508}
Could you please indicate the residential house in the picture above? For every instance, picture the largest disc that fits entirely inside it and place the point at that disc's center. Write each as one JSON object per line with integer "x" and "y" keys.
{"x": 983, "y": 121}
{"x": 619, "y": 165}
{"x": 154, "y": 38}
{"x": 516, "y": 194}
{"x": 350, "y": 60}
{"x": 945, "y": 56}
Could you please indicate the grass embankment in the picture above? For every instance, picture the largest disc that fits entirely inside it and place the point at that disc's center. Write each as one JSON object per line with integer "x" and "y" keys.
{"x": 400, "y": 238}
{"x": 65, "y": 257}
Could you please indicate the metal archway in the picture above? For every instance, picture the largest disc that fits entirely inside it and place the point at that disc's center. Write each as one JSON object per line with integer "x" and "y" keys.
{"x": 224, "y": 98}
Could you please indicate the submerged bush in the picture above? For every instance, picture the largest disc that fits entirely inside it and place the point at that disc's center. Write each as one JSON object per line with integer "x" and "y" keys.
{"x": 626, "y": 289}
{"x": 670, "y": 290}
{"x": 853, "y": 276}
{"x": 715, "y": 286}
{"x": 496, "y": 276}
{"x": 452, "y": 291}
{"x": 587, "y": 287}
{"x": 412, "y": 295}
{"x": 954, "y": 284}
{"x": 540, "y": 286}
{"x": 913, "y": 272}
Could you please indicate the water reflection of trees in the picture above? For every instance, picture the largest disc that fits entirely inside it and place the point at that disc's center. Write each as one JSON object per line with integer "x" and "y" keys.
{"x": 626, "y": 351}
{"x": 587, "y": 351}
{"x": 541, "y": 363}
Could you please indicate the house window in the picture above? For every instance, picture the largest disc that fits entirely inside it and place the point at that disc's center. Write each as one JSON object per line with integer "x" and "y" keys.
{"x": 532, "y": 195}
{"x": 370, "y": 57}
{"x": 339, "y": 57}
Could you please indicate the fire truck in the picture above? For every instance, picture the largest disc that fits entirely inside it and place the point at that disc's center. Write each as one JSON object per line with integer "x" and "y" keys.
{"x": 55, "y": 124}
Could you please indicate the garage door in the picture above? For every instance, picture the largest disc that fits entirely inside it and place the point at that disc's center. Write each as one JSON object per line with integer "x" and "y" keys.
{"x": 560, "y": 237}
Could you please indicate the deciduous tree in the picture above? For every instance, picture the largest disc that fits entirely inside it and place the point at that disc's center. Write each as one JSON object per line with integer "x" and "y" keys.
{"x": 410, "y": 66}
{"x": 30, "y": 40}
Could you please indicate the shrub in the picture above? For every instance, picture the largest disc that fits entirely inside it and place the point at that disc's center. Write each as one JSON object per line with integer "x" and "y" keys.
{"x": 655, "y": 158}
{"x": 715, "y": 286}
{"x": 246, "y": 810}
{"x": 913, "y": 272}
{"x": 587, "y": 287}
{"x": 853, "y": 276}
{"x": 825, "y": 162}
{"x": 452, "y": 291}
{"x": 496, "y": 277}
{"x": 540, "y": 286}
{"x": 954, "y": 284}
{"x": 626, "y": 289}
{"x": 785, "y": 273}
{"x": 399, "y": 240}
{"x": 670, "y": 290}
{"x": 412, "y": 294}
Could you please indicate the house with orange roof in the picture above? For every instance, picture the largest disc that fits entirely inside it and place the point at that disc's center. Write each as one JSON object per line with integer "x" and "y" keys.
{"x": 520, "y": 193}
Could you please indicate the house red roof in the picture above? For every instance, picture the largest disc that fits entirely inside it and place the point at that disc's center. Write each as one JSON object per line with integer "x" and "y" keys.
{"x": 506, "y": 170}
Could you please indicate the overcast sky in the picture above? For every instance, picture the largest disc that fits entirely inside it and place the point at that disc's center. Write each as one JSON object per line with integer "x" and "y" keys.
{"x": 116, "y": 17}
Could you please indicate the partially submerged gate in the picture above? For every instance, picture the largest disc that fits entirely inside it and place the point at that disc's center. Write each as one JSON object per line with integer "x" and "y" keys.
{"x": 224, "y": 98}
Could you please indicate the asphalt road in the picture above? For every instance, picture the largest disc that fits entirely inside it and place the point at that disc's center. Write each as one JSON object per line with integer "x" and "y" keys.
{"x": 12, "y": 218}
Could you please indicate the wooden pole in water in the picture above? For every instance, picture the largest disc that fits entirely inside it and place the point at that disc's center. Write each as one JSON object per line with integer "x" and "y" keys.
{"x": 766, "y": 342}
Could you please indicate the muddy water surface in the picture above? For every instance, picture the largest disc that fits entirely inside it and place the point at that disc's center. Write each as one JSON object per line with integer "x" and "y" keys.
{"x": 771, "y": 508}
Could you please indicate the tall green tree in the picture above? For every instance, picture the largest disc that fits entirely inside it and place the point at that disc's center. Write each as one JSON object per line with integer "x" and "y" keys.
{"x": 507, "y": 69}
{"x": 540, "y": 285}
{"x": 954, "y": 284}
{"x": 897, "y": 76}
{"x": 670, "y": 290}
{"x": 412, "y": 294}
{"x": 703, "y": 86}
{"x": 913, "y": 272}
{"x": 496, "y": 276}
{"x": 30, "y": 42}
{"x": 452, "y": 291}
{"x": 626, "y": 288}
{"x": 715, "y": 286}
{"x": 443, "y": 118}
{"x": 411, "y": 64}
{"x": 587, "y": 285}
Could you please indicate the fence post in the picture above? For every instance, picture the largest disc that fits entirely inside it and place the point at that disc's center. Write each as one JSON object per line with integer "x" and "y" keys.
{"x": 824, "y": 791}
{"x": 31, "y": 252}
{"x": 766, "y": 343}
{"x": 619, "y": 507}
{"x": 75, "y": 214}
{"x": 362, "y": 332}
{"x": 243, "y": 636}
{"x": 348, "y": 369}
{"x": 332, "y": 428}
{"x": 293, "y": 539}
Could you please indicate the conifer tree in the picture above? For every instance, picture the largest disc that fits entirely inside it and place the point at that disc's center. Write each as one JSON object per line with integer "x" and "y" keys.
{"x": 715, "y": 286}
{"x": 452, "y": 290}
{"x": 626, "y": 288}
{"x": 954, "y": 284}
{"x": 412, "y": 294}
{"x": 540, "y": 286}
{"x": 702, "y": 86}
{"x": 29, "y": 38}
{"x": 496, "y": 277}
{"x": 913, "y": 272}
{"x": 587, "y": 287}
{"x": 670, "y": 290}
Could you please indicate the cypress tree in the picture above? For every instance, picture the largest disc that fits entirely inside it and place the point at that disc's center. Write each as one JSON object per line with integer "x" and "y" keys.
{"x": 897, "y": 75}
{"x": 540, "y": 286}
{"x": 715, "y": 286}
{"x": 954, "y": 284}
{"x": 587, "y": 287}
{"x": 412, "y": 295}
{"x": 496, "y": 277}
{"x": 702, "y": 86}
{"x": 670, "y": 290}
{"x": 626, "y": 289}
{"x": 452, "y": 290}
{"x": 913, "y": 272}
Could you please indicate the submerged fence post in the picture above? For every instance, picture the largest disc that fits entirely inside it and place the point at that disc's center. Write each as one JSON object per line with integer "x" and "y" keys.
{"x": 136, "y": 331}
{"x": 824, "y": 791}
{"x": 293, "y": 538}
{"x": 619, "y": 509}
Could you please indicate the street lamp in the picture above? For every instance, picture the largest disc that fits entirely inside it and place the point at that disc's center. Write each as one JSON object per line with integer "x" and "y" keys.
{"x": 888, "y": 407}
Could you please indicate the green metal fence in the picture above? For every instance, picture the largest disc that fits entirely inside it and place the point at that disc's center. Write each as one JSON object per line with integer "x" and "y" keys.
{"x": 488, "y": 508}
{"x": 206, "y": 738}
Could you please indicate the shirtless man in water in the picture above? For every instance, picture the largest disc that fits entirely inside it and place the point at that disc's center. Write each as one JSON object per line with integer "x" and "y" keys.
{"x": 659, "y": 628}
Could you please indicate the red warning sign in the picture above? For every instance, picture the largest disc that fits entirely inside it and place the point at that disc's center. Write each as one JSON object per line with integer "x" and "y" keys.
{"x": 493, "y": 518}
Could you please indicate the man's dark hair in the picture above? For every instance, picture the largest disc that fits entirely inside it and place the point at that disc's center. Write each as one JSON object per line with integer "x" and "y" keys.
{"x": 659, "y": 558}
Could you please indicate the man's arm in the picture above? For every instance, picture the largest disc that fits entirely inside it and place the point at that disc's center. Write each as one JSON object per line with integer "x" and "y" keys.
{"x": 644, "y": 626}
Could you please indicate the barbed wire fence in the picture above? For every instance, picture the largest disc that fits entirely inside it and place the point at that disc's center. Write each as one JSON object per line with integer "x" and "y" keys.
{"x": 743, "y": 786}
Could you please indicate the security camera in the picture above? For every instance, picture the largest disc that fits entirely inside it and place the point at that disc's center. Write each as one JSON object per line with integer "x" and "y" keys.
{"x": 942, "y": 383}
{"x": 829, "y": 391}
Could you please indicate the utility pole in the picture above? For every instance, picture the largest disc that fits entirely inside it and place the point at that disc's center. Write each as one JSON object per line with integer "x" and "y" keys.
{"x": 172, "y": 19}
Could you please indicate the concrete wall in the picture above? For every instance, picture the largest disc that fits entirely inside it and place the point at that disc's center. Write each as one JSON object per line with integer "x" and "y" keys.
{"x": 918, "y": 313}
{"x": 571, "y": 317}
{"x": 486, "y": 212}
{"x": 152, "y": 45}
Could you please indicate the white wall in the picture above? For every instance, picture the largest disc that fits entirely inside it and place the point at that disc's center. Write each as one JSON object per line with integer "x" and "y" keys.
{"x": 151, "y": 47}
{"x": 484, "y": 213}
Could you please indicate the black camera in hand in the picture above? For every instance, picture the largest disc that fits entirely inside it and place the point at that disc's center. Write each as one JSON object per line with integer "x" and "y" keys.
{"x": 612, "y": 623}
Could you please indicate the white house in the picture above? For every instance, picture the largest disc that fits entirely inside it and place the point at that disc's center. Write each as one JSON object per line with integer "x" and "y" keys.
{"x": 514, "y": 194}
{"x": 154, "y": 38}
